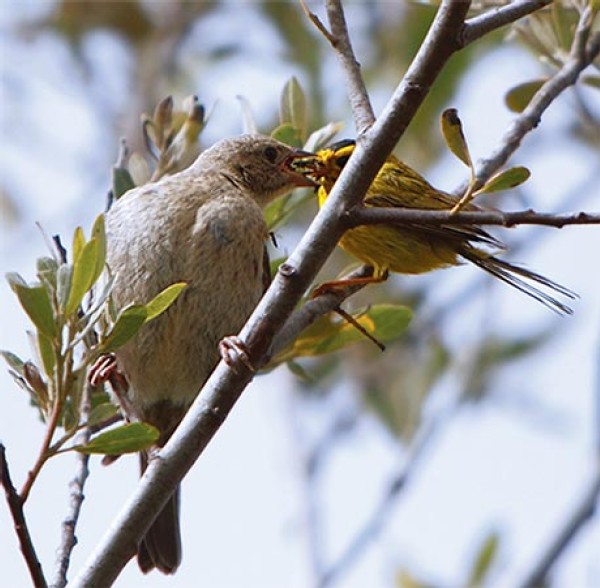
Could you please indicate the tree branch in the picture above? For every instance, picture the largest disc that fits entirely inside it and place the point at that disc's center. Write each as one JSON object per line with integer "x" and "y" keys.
{"x": 374, "y": 216}
{"x": 15, "y": 505}
{"x": 483, "y": 24}
{"x": 585, "y": 49}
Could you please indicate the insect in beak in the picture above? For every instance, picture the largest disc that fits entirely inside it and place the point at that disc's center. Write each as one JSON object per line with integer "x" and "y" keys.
{"x": 303, "y": 167}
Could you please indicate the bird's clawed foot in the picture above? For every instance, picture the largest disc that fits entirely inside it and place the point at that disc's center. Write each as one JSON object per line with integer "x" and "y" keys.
{"x": 103, "y": 369}
{"x": 234, "y": 352}
{"x": 339, "y": 286}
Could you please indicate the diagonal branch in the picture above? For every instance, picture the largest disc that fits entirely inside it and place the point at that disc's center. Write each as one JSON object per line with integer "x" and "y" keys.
{"x": 585, "y": 48}
{"x": 15, "y": 505}
{"x": 362, "y": 110}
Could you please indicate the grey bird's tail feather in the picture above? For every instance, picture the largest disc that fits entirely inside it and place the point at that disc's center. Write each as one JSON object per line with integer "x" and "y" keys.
{"x": 160, "y": 548}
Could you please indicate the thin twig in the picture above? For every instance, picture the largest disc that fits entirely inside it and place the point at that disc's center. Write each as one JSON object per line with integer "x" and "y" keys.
{"x": 364, "y": 117}
{"x": 583, "y": 512}
{"x": 43, "y": 454}
{"x": 77, "y": 485}
{"x": 375, "y": 216}
{"x": 318, "y": 23}
{"x": 313, "y": 309}
{"x": 381, "y": 514}
{"x": 339, "y": 39}
{"x": 15, "y": 505}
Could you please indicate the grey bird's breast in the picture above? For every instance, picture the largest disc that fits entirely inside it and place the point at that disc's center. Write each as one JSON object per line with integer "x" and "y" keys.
{"x": 214, "y": 242}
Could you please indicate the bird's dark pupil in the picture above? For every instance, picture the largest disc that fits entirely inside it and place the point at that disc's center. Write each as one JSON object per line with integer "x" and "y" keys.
{"x": 271, "y": 153}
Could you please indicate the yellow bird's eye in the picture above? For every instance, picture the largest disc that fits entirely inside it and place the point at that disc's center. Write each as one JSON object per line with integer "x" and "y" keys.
{"x": 342, "y": 161}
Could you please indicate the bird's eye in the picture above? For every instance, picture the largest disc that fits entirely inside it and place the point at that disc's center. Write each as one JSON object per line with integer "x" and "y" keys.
{"x": 270, "y": 153}
{"x": 342, "y": 161}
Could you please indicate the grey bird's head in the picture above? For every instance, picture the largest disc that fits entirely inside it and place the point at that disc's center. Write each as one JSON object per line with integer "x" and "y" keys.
{"x": 256, "y": 164}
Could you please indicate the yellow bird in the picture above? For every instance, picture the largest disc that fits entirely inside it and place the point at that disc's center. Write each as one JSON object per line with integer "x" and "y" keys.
{"x": 419, "y": 248}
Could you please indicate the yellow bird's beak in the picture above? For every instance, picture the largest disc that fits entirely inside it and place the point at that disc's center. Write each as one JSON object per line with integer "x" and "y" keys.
{"x": 307, "y": 167}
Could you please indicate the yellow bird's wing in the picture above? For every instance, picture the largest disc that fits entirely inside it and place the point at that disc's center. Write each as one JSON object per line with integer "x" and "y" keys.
{"x": 399, "y": 186}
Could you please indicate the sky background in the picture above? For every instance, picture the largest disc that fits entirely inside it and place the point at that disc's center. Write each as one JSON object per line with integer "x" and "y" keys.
{"x": 517, "y": 464}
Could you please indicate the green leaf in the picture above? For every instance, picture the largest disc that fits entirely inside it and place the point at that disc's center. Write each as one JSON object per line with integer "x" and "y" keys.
{"x": 323, "y": 136}
{"x": 248, "y": 119}
{"x": 102, "y": 413}
{"x": 14, "y": 361}
{"x": 163, "y": 300}
{"x": 506, "y": 180}
{"x": 292, "y": 108}
{"x": 36, "y": 303}
{"x": 593, "y": 81}
{"x": 275, "y": 263}
{"x": 384, "y": 321}
{"x": 46, "y": 353}
{"x": 122, "y": 182}
{"x": 63, "y": 283}
{"x": 99, "y": 234}
{"x": 47, "y": 267}
{"x": 520, "y": 96}
{"x": 15, "y": 279}
{"x": 78, "y": 243}
{"x": 486, "y": 556}
{"x": 125, "y": 439}
{"x": 128, "y": 323}
{"x": 454, "y": 136}
{"x": 84, "y": 274}
{"x": 288, "y": 134}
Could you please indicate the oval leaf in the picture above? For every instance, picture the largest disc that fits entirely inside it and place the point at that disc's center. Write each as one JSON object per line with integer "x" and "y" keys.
{"x": 162, "y": 301}
{"x": 384, "y": 321}
{"x": 128, "y": 323}
{"x": 125, "y": 439}
{"x": 288, "y": 134}
{"x": 13, "y": 361}
{"x": 454, "y": 136}
{"x": 323, "y": 136}
{"x": 293, "y": 106}
{"x": 520, "y": 96}
{"x": 84, "y": 270}
{"x": 36, "y": 303}
{"x": 506, "y": 180}
{"x": 63, "y": 283}
{"x": 46, "y": 353}
{"x": 99, "y": 234}
{"x": 78, "y": 243}
{"x": 102, "y": 413}
{"x": 593, "y": 81}
{"x": 46, "y": 270}
{"x": 122, "y": 182}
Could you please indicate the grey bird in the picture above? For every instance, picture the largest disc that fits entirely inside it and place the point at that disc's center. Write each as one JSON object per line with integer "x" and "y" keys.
{"x": 203, "y": 226}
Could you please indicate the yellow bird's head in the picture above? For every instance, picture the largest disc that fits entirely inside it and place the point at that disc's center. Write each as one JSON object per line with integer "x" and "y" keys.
{"x": 326, "y": 165}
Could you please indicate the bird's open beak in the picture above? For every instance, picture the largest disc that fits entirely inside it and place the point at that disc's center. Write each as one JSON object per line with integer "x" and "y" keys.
{"x": 303, "y": 167}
